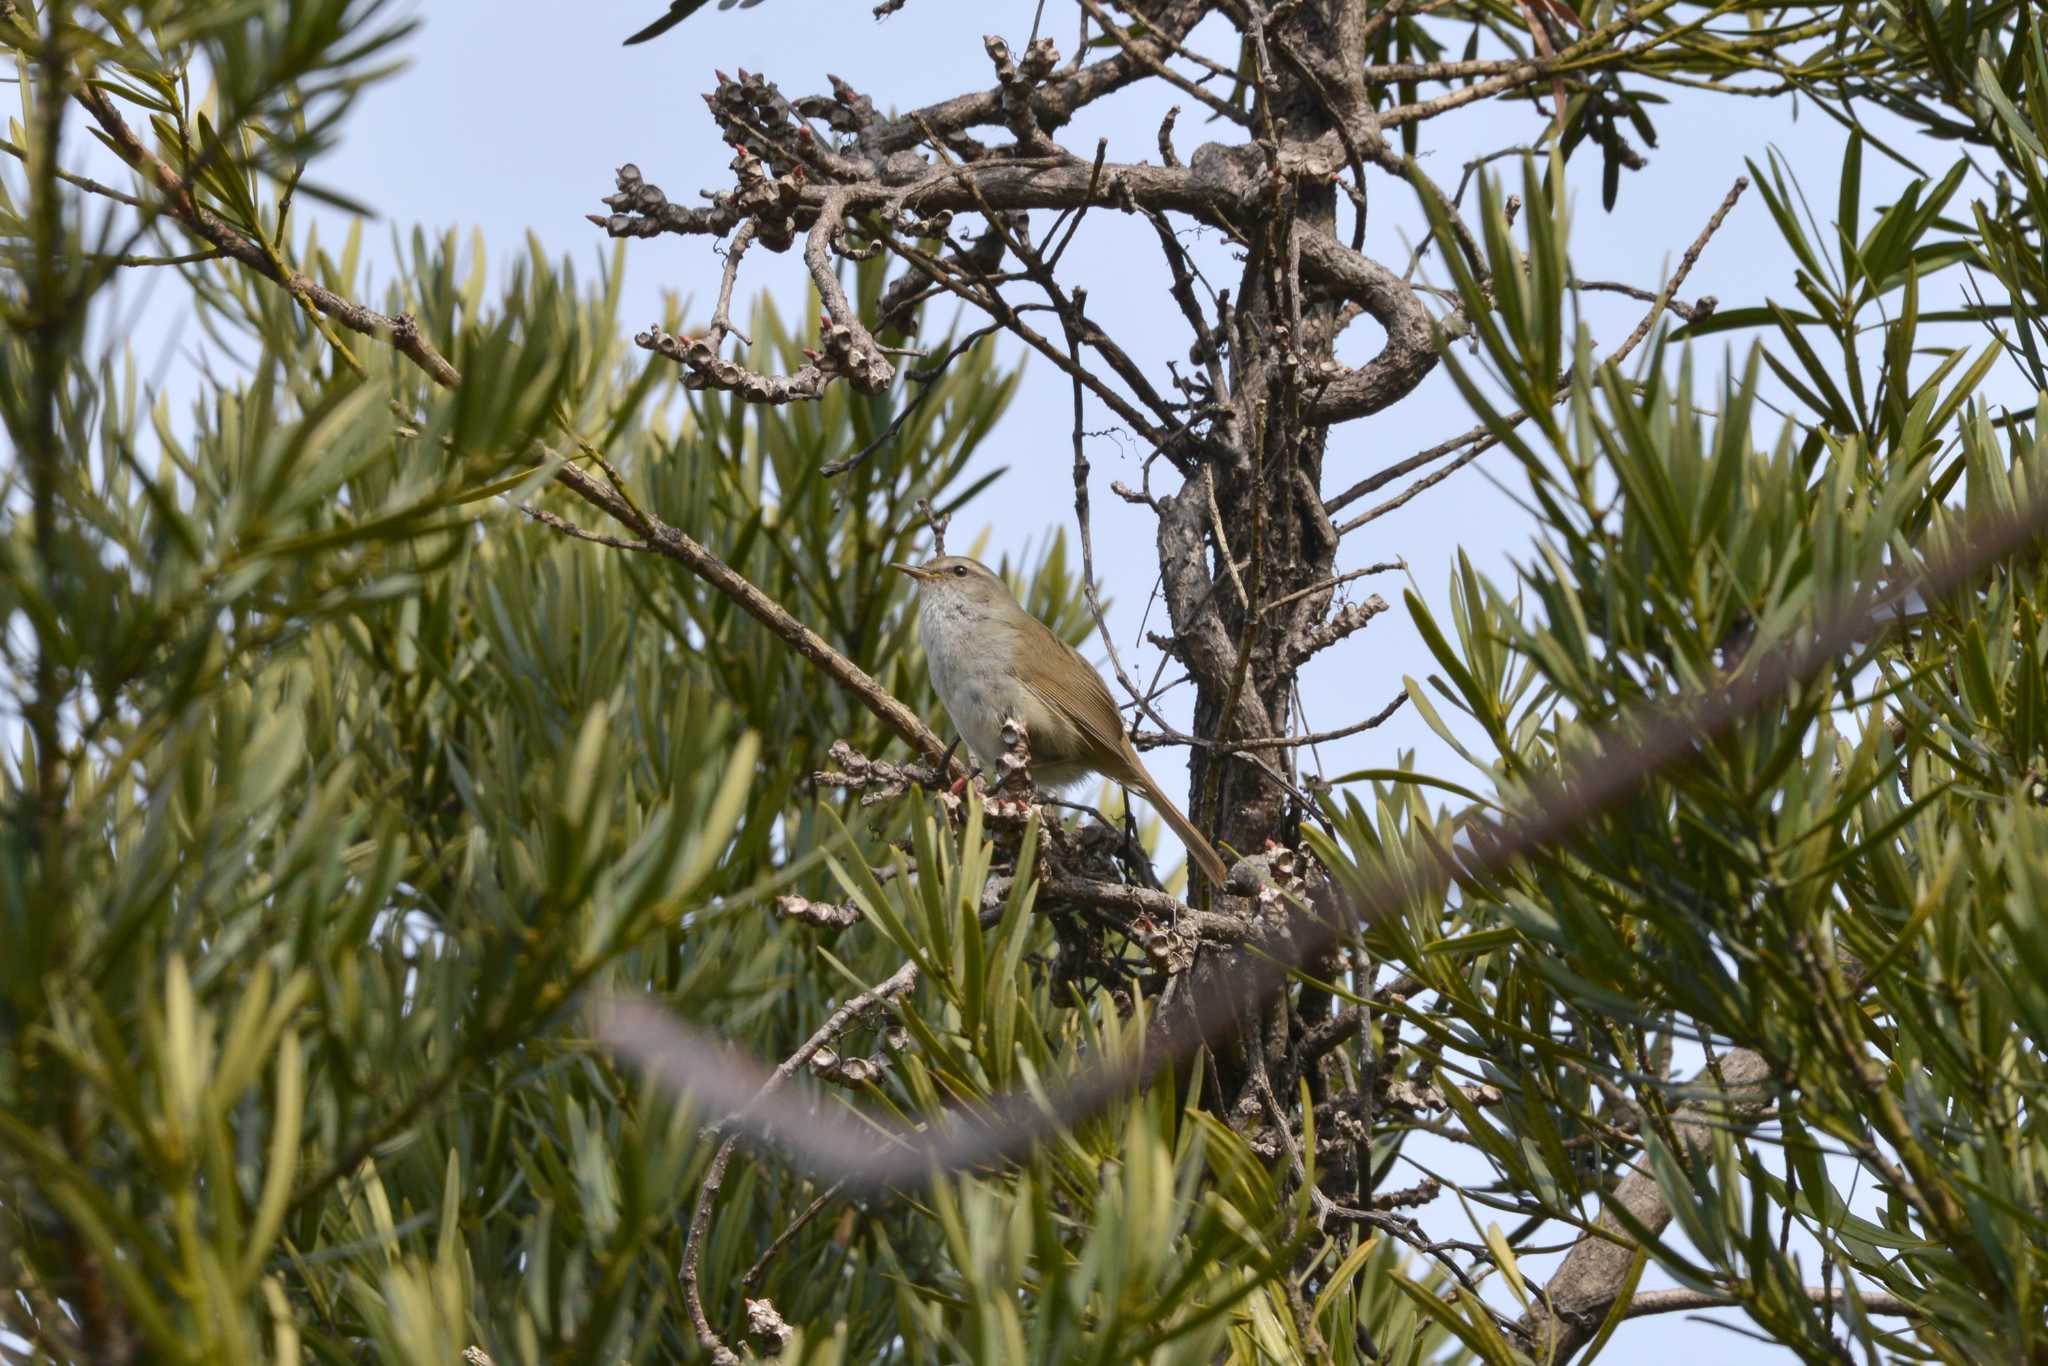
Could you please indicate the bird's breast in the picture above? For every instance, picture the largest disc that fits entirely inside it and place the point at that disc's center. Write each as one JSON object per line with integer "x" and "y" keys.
{"x": 972, "y": 661}
{"x": 970, "y": 671}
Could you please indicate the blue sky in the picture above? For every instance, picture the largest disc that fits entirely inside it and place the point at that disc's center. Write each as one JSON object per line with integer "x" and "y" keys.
{"x": 512, "y": 116}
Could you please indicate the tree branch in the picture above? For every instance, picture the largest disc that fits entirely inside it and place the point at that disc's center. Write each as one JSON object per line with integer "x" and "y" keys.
{"x": 1651, "y": 1302}
{"x": 1568, "y": 1313}
{"x": 399, "y": 331}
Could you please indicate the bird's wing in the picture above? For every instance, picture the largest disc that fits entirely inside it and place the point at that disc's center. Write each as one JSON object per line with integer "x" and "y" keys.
{"x": 1086, "y": 702}
{"x": 1078, "y": 694}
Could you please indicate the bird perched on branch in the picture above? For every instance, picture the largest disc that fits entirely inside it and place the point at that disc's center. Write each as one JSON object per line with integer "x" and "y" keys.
{"x": 679, "y": 10}
{"x": 990, "y": 660}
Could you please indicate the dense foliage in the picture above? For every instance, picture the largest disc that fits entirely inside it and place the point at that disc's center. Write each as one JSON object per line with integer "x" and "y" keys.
{"x": 349, "y": 756}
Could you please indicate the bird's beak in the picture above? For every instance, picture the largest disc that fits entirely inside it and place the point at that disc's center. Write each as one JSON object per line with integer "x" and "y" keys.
{"x": 912, "y": 570}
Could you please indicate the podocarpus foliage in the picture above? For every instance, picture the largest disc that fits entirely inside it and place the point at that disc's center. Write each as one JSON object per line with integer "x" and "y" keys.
{"x": 441, "y": 667}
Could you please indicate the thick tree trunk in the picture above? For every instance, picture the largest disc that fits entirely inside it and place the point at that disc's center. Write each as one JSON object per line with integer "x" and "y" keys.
{"x": 1273, "y": 537}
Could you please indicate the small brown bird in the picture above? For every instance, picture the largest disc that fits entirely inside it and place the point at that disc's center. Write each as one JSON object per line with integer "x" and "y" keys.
{"x": 679, "y": 10}
{"x": 991, "y": 659}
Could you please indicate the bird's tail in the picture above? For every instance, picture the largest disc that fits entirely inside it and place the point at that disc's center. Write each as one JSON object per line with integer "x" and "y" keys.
{"x": 1199, "y": 848}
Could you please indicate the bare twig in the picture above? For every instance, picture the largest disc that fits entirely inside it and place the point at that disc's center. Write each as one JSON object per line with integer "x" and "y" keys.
{"x": 1394, "y": 471}
{"x": 928, "y": 377}
{"x": 937, "y": 524}
{"x": 795, "y": 1227}
{"x": 1144, "y": 51}
{"x": 1349, "y": 619}
{"x": 569, "y": 528}
{"x": 898, "y": 982}
{"x": 672, "y": 543}
{"x": 1384, "y": 567}
{"x": 400, "y": 332}
{"x": 1245, "y": 746}
{"x": 721, "y": 316}
{"x": 1685, "y": 265}
{"x": 1647, "y": 1302}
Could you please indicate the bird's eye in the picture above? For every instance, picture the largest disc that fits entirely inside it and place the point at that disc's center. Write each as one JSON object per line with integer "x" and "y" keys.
{"x": 959, "y": 571}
